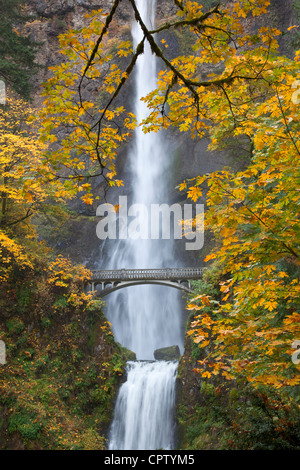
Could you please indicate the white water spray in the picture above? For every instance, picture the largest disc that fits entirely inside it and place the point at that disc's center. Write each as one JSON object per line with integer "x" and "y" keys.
{"x": 148, "y": 317}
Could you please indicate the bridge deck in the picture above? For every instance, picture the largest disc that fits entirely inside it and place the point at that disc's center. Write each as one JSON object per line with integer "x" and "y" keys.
{"x": 147, "y": 274}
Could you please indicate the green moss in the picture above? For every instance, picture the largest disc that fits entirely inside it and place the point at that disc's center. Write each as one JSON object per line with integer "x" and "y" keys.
{"x": 56, "y": 391}
{"x": 24, "y": 296}
{"x": 126, "y": 354}
{"x": 26, "y": 424}
{"x": 15, "y": 325}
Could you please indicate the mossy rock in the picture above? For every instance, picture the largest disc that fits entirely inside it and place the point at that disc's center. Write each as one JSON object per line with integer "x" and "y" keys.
{"x": 127, "y": 354}
{"x": 170, "y": 353}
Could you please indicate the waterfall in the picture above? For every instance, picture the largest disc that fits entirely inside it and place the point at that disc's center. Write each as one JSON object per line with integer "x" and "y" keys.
{"x": 147, "y": 317}
{"x": 145, "y": 406}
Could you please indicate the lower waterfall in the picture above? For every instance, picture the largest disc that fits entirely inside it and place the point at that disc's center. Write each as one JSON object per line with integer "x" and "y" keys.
{"x": 145, "y": 406}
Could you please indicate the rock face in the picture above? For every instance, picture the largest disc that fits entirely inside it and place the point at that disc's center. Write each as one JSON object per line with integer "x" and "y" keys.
{"x": 170, "y": 353}
{"x": 129, "y": 355}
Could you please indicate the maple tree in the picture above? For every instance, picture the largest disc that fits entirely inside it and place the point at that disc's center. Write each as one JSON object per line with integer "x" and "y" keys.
{"x": 91, "y": 134}
{"x": 255, "y": 218}
{"x": 27, "y": 184}
{"x": 249, "y": 94}
{"x": 93, "y": 130}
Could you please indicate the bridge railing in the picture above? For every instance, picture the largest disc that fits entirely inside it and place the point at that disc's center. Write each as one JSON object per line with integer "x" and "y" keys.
{"x": 147, "y": 274}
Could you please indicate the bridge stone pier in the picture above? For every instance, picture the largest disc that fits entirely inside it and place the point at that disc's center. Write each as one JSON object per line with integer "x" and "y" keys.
{"x": 107, "y": 281}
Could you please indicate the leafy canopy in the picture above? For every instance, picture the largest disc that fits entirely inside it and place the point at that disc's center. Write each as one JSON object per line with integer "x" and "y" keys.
{"x": 93, "y": 130}
{"x": 249, "y": 94}
{"x": 27, "y": 184}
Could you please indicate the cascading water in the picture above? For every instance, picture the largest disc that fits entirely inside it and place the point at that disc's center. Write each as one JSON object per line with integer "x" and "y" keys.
{"x": 144, "y": 409}
{"x": 148, "y": 317}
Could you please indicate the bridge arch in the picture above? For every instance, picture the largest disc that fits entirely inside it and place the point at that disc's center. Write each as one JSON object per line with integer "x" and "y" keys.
{"x": 112, "y": 280}
{"x": 121, "y": 285}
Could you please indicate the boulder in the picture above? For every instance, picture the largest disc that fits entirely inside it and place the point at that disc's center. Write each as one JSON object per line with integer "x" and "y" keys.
{"x": 170, "y": 353}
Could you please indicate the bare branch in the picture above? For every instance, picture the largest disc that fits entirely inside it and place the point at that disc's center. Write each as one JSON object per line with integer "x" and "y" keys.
{"x": 139, "y": 50}
{"x": 191, "y": 22}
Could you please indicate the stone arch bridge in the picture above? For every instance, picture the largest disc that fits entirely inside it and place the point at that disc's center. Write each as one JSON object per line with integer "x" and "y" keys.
{"x": 108, "y": 281}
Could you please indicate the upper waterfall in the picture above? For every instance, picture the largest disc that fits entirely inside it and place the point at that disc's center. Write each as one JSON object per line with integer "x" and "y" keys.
{"x": 145, "y": 318}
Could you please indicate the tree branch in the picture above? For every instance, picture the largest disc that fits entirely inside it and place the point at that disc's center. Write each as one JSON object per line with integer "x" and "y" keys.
{"x": 191, "y": 22}
{"x": 139, "y": 50}
{"x": 26, "y": 216}
{"x": 99, "y": 40}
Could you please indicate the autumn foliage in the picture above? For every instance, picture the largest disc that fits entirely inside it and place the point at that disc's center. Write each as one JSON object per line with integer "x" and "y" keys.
{"x": 249, "y": 98}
